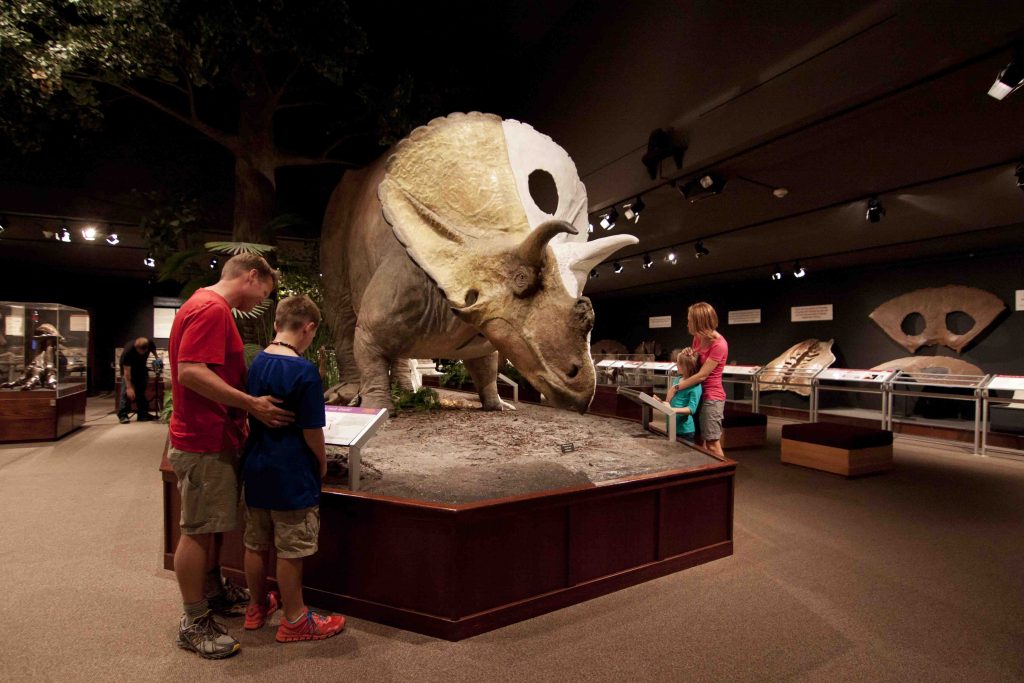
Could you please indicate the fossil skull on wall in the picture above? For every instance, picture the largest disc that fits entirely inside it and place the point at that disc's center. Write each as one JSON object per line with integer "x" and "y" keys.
{"x": 935, "y": 305}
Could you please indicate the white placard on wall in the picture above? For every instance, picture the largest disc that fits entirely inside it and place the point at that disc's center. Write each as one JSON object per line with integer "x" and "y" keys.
{"x": 14, "y": 324}
{"x": 749, "y": 316}
{"x": 660, "y": 321}
{"x": 78, "y": 323}
{"x": 163, "y": 318}
{"x": 803, "y": 314}
{"x": 1020, "y": 300}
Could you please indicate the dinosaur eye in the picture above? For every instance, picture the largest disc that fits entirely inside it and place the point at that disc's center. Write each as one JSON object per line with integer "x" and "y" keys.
{"x": 471, "y": 297}
{"x": 543, "y": 191}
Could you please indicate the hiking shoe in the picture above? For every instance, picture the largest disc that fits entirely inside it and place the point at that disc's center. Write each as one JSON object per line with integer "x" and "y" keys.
{"x": 313, "y": 626}
{"x": 206, "y": 638}
{"x": 123, "y": 419}
{"x": 256, "y": 615}
{"x": 230, "y": 601}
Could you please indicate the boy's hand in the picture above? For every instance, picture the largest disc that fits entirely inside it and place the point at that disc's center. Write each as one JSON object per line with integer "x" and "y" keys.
{"x": 264, "y": 410}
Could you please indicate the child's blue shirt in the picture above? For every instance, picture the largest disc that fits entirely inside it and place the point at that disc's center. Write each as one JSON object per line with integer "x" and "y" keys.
{"x": 685, "y": 398}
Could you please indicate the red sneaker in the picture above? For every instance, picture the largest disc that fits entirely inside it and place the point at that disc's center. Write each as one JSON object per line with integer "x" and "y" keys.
{"x": 256, "y": 615}
{"x": 313, "y": 626}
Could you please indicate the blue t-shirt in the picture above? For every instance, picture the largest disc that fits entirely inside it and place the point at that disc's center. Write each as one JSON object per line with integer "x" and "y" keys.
{"x": 279, "y": 470}
{"x": 685, "y": 398}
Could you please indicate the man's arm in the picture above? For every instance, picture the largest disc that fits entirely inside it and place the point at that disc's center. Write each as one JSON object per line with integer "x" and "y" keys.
{"x": 129, "y": 389}
{"x": 201, "y": 379}
{"x": 315, "y": 440}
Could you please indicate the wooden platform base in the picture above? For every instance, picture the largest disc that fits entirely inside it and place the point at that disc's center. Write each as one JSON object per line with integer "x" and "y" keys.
{"x": 456, "y": 571}
{"x": 39, "y": 415}
{"x": 753, "y": 436}
{"x": 849, "y": 463}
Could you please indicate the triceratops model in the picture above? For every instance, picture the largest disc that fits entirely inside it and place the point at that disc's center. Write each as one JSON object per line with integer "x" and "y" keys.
{"x": 439, "y": 250}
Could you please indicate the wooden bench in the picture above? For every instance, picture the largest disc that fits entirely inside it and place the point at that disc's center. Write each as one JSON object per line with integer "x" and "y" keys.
{"x": 740, "y": 430}
{"x": 837, "y": 448}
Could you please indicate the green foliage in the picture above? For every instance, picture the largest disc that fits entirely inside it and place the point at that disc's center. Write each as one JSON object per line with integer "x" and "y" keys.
{"x": 250, "y": 351}
{"x": 165, "y": 414}
{"x": 422, "y": 399}
{"x": 453, "y": 373}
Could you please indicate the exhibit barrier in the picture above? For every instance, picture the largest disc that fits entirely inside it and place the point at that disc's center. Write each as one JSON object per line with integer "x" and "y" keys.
{"x": 842, "y": 380}
{"x": 780, "y": 378}
{"x": 935, "y": 385}
{"x": 744, "y": 375}
{"x": 1000, "y": 383}
{"x": 515, "y": 386}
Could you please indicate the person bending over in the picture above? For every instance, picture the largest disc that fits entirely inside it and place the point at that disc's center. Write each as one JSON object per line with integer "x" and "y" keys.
{"x": 684, "y": 401}
{"x": 134, "y": 365}
{"x": 282, "y": 469}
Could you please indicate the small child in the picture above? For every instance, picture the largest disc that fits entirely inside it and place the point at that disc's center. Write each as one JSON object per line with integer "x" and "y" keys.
{"x": 281, "y": 470}
{"x": 684, "y": 401}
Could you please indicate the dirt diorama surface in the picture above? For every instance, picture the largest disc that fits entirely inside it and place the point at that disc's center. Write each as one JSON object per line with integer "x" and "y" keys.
{"x": 462, "y": 454}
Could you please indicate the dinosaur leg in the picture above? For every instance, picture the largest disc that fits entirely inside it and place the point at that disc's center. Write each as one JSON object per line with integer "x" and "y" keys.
{"x": 484, "y": 371}
{"x": 373, "y": 365}
{"x": 401, "y": 374}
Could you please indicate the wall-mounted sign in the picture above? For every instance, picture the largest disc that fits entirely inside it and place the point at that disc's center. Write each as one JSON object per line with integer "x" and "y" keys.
{"x": 1020, "y": 300}
{"x": 660, "y": 321}
{"x": 163, "y": 318}
{"x": 14, "y": 323}
{"x": 803, "y": 314}
{"x": 749, "y": 316}
{"x": 78, "y": 323}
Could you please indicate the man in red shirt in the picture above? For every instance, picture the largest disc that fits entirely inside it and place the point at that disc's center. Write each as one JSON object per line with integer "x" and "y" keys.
{"x": 208, "y": 430}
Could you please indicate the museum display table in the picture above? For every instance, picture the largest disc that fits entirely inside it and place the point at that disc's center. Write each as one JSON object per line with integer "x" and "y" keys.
{"x": 41, "y": 414}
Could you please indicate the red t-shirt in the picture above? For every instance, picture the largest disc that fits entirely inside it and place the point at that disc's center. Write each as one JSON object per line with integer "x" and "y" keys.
{"x": 718, "y": 351}
{"x": 204, "y": 332}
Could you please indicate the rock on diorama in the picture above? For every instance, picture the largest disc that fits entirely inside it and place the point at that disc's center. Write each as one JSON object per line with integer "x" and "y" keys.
{"x": 439, "y": 250}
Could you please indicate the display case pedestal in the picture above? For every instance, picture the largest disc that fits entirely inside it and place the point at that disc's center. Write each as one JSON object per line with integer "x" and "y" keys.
{"x": 39, "y": 415}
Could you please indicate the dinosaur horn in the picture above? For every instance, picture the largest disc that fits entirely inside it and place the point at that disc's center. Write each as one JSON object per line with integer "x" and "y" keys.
{"x": 532, "y": 249}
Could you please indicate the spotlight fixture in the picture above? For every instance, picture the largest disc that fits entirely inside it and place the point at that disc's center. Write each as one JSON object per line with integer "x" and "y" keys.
{"x": 700, "y": 251}
{"x": 798, "y": 270}
{"x": 1010, "y": 78}
{"x": 593, "y": 273}
{"x": 112, "y": 239}
{"x": 632, "y": 211}
{"x": 1019, "y": 173}
{"x": 780, "y": 192}
{"x": 89, "y": 233}
{"x": 875, "y": 210}
{"x": 608, "y": 220}
{"x": 776, "y": 273}
{"x": 660, "y": 147}
{"x": 648, "y": 261}
{"x": 707, "y": 185}
{"x": 590, "y": 228}
{"x": 617, "y": 267}
{"x": 214, "y": 262}
{"x": 63, "y": 235}
{"x": 671, "y": 258}
{"x": 149, "y": 261}
{"x": 3, "y": 224}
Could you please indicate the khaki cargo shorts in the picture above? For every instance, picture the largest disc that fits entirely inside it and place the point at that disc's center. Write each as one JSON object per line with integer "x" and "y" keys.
{"x": 208, "y": 484}
{"x": 292, "y": 533}
{"x": 711, "y": 415}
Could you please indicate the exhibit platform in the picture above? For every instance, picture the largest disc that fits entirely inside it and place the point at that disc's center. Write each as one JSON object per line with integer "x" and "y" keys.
{"x": 454, "y": 571}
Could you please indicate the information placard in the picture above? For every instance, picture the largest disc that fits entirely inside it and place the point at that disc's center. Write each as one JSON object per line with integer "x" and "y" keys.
{"x": 1007, "y": 383}
{"x": 1020, "y": 300}
{"x": 658, "y": 366}
{"x": 749, "y": 316}
{"x": 747, "y": 370}
{"x": 78, "y": 323}
{"x": 660, "y": 321}
{"x": 348, "y": 426}
{"x": 803, "y": 314}
{"x": 14, "y": 324}
{"x": 854, "y": 375}
{"x": 606, "y": 363}
{"x": 163, "y": 318}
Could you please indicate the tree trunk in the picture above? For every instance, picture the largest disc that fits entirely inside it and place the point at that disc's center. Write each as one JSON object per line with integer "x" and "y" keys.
{"x": 255, "y": 187}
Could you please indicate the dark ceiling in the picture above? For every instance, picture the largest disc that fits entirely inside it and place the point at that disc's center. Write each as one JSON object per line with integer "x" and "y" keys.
{"x": 835, "y": 102}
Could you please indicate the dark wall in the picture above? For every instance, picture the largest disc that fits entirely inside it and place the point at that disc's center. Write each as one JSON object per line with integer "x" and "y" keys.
{"x": 859, "y": 342}
{"x": 119, "y": 308}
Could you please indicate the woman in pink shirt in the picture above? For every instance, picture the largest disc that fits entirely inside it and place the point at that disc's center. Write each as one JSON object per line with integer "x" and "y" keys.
{"x": 712, "y": 351}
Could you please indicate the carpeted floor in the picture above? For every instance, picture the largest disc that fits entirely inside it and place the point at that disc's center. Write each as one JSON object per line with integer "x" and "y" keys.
{"x": 911, "y": 575}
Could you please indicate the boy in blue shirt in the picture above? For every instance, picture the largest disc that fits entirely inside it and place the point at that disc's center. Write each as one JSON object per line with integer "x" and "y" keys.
{"x": 282, "y": 469}
{"x": 684, "y": 402}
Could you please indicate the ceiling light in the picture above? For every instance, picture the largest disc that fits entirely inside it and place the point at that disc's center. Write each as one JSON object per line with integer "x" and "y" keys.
{"x": 593, "y": 273}
{"x": 214, "y": 263}
{"x": 780, "y": 192}
{"x": 632, "y": 211}
{"x": 705, "y": 186}
{"x": 590, "y": 228}
{"x": 617, "y": 267}
{"x": 149, "y": 262}
{"x": 671, "y": 258}
{"x": 648, "y": 261}
{"x": 3, "y": 224}
{"x": 875, "y": 210}
{"x": 89, "y": 233}
{"x": 63, "y": 235}
{"x": 1019, "y": 172}
{"x": 608, "y": 220}
{"x": 1010, "y": 78}
{"x": 700, "y": 251}
{"x": 776, "y": 273}
{"x": 112, "y": 239}
{"x": 798, "y": 270}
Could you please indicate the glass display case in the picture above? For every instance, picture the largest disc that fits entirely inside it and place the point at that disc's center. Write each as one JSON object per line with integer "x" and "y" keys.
{"x": 44, "y": 351}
